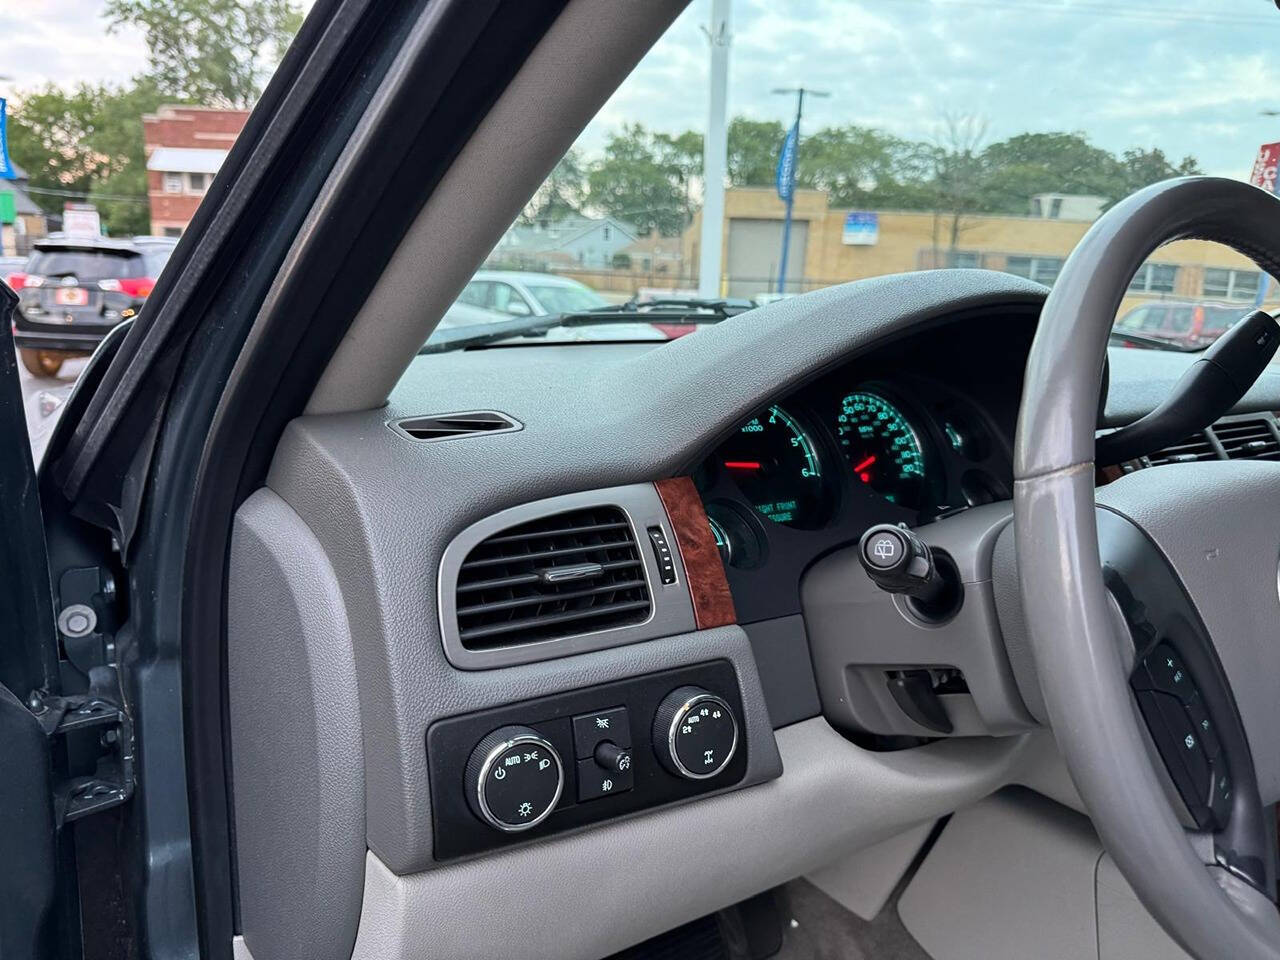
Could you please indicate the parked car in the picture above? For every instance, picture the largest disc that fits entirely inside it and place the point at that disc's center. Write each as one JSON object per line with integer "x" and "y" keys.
{"x": 515, "y": 293}
{"x": 11, "y": 269}
{"x": 75, "y": 289}
{"x": 1183, "y": 323}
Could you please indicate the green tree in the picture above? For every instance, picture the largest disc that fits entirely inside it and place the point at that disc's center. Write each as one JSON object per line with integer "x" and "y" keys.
{"x": 87, "y": 143}
{"x": 561, "y": 194}
{"x": 752, "y": 154}
{"x": 638, "y": 180}
{"x": 211, "y": 52}
{"x": 1140, "y": 168}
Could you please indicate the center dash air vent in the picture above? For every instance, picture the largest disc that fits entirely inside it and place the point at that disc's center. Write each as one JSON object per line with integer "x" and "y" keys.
{"x": 1248, "y": 439}
{"x": 1197, "y": 447}
{"x": 446, "y": 426}
{"x": 571, "y": 573}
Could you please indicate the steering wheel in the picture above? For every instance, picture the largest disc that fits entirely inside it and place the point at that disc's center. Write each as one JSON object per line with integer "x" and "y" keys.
{"x": 1152, "y": 603}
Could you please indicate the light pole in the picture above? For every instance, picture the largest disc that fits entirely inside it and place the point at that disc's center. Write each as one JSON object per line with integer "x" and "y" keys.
{"x": 715, "y": 148}
{"x": 787, "y": 172}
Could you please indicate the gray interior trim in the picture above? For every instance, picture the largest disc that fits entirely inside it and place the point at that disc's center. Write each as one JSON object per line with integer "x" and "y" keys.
{"x": 672, "y": 610}
{"x": 863, "y": 882}
{"x": 1012, "y": 876}
{"x": 600, "y": 890}
{"x": 295, "y": 740}
{"x": 528, "y": 129}
{"x": 781, "y": 649}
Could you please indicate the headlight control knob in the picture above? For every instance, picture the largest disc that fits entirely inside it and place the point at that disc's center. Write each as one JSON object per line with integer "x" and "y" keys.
{"x": 695, "y": 733}
{"x": 514, "y": 779}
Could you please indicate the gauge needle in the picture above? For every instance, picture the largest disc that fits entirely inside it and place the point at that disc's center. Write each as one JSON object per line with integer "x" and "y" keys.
{"x": 743, "y": 465}
{"x": 865, "y": 463}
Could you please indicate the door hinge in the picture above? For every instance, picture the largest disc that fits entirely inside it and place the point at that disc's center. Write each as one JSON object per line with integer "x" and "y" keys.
{"x": 98, "y": 738}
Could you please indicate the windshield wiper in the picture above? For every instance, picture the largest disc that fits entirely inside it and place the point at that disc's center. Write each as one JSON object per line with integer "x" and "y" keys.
{"x": 725, "y": 307}
{"x": 1154, "y": 343}
{"x": 479, "y": 334}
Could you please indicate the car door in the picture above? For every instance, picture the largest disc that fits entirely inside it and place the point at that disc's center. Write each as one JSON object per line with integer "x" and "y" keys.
{"x": 29, "y": 842}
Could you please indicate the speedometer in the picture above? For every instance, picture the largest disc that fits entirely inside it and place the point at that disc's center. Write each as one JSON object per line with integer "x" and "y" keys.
{"x": 778, "y": 469}
{"x": 882, "y": 448}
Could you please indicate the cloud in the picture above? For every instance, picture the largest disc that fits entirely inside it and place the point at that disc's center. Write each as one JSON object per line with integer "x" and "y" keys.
{"x": 1182, "y": 75}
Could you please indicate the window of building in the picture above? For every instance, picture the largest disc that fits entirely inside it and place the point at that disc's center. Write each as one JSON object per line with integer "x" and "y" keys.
{"x": 173, "y": 183}
{"x": 197, "y": 182}
{"x": 173, "y": 231}
{"x": 1231, "y": 284}
{"x": 1040, "y": 269}
{"x": 964, "y": 258}
{"x": 1055, "y": 208}
{"x": 1154, "y": 278}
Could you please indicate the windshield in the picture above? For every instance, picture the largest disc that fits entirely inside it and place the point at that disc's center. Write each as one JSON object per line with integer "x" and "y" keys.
{"x": 566, "y": 299}
{"x": 87, "y": 265}
{"x": 868, "y": 137}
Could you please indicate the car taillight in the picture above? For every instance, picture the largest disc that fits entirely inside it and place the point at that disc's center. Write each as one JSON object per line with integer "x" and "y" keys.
{"x": 16, "y": 281}
{"x": 139, "y": 287}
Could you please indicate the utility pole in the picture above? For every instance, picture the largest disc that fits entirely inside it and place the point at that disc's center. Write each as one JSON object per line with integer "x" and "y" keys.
{"x": 715, "y": 149}
{"x": 787, "y": 164}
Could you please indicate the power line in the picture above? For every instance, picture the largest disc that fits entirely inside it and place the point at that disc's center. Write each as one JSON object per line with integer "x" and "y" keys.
{"x": 75, "y": 195}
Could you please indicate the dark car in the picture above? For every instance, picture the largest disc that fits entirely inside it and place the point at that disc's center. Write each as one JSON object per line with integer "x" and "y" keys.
{"x": 75, "y": 289}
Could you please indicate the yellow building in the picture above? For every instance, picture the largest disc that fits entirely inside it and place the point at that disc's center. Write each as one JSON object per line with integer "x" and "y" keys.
{"x": 824, "y": 252}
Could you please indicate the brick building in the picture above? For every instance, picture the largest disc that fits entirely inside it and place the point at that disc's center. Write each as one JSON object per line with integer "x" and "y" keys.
{"x": 184, "y": 147}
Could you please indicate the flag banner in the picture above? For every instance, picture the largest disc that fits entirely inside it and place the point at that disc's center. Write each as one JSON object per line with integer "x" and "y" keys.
{"x": 6, "y": 168}
{"x": 787, "y": 163}
{"x": 1264, "y": 167}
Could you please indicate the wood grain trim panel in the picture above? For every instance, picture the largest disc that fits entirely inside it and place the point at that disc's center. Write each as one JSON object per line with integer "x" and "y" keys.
{"x": 712, "y": 602}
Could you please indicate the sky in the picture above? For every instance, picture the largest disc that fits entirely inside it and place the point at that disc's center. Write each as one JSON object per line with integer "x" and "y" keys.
{"x": 1187, "y": 76}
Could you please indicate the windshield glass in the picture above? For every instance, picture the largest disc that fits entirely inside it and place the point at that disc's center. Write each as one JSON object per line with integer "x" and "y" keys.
{"x": 566, "y": 299}
{"x": 86, "y": 265}
{"x": 930, "y": 133}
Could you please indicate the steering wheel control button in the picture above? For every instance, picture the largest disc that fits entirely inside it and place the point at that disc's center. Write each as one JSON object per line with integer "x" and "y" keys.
{"x": 885, "y": 549}
{"x": 695, "y": 733}
{"x": 596, "y": 781}
{"x": 514, "y": 779}
{"x": 1204, "y": 729}
{"x": 1220, "y": 798}
{"x": 592, "y": 729}
{"x": 1169, "y": 674}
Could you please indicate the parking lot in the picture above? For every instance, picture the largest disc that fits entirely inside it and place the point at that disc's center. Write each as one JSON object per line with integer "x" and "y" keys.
{"x": 43, "y": 397}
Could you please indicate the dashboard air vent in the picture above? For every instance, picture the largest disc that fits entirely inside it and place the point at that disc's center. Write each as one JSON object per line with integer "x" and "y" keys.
{"x": 570, "y": 573}
{"x": 1197, "y": 447}
{"x": 446, "y": 426}
{"x": 1248, "y": 439}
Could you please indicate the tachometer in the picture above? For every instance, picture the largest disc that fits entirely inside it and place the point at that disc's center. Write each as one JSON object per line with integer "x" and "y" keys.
{"x": 882, "y": 448}
{"x": 778, "y": 468}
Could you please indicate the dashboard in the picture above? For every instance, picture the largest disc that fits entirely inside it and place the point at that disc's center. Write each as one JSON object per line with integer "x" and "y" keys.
{"x": 917, "y": 430}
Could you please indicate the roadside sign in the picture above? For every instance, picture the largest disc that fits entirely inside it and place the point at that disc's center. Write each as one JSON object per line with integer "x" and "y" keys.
{"x": 1264, "y": 167}
{"x": 862, "y": 228}
{"x": 8, "y": 207}
{"x": 81, "y": 220}
{"x": 786, "y": 173}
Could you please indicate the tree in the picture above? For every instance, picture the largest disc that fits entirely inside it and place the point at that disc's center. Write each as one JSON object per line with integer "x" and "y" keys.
{"x": 1030, "y": 163}
{"x": 561, "y": 194}
{"x": 959, "y": 178}
{"x": 637, "y": 179}
{"x": 87, "y": 142}
{"x": 1140, "y": 168}
{"x": 211, "y": 52}
{"x": 752, "y": 154}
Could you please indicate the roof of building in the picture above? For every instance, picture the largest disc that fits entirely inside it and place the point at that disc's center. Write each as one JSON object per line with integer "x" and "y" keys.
{"x": 557, "y": 233}
{"x": 186, "y": 159}
{"x": 22, "y": 202}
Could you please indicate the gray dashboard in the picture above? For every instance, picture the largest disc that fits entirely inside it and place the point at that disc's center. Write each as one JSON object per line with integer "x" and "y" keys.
{"x": 366, "y": 508}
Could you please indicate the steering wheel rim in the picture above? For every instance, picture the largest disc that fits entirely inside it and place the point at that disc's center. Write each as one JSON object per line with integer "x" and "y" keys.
{"x": 1072, "y": 629}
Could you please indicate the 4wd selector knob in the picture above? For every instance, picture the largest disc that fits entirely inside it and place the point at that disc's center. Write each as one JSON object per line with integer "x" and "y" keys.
{"x": 695, "y": 733}
{"x": 514, "y": 779}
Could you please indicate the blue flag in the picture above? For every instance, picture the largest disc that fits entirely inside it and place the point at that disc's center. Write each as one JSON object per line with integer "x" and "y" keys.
{"x": 787, "y": 163}
{"x": 6, "y": 168}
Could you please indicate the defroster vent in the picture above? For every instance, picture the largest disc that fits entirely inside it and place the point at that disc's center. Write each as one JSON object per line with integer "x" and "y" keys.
{"x": 558, "y": 576}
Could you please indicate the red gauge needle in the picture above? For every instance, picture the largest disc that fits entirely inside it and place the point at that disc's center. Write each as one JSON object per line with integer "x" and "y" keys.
{"x": 743, "y": 465}
{"x": 865, "y": 463}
